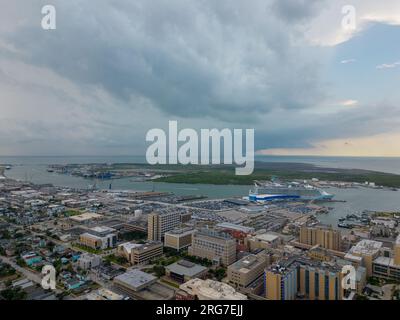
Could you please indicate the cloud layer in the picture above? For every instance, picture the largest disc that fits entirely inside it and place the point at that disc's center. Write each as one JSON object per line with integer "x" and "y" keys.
{"x": 114, "y": 70}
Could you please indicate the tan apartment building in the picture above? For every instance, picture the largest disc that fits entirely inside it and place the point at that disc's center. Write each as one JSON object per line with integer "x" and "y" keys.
{"x": 300, "y": 277}
{"x": 387, "y": 266}
{"x": 245, "y": 271}
{"x": 99, "y": 238}
{"x": 90, "y": 241}
{"x": 318, "y": 282}
{"x": 178, "y": 239}
{"x": 262, "y": 241}
{"x": 137, "y": 253}
{"x": 160, "y": 223}
{"x": 213, "y": 245}
{"x": 367, "y": 251}
{"x": 397, "y": 251}
{"x": 325, "y": 236}
{"x": 281, "y": 282}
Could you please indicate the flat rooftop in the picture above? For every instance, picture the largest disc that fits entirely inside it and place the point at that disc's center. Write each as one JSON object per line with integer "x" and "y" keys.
{"x": 211, "y": 290}
{"x": 103, "y": 294}
{"x": 180, "y": 232}
{"x": 147, "y": 245}
{"x": 247, "y": 263}
{"x": 128, "y": 246}
{"x": 232, "y": 226}
{"x": 267, "y": 237}
{"x": 287, "y": 265}
{"x": 214, "y": 234}
{"x": 353, "y": 258}
{"x": 366, "y": 247}
{"x": 386, "y": 261}
{"x": 86, "y": 217}
{"x": 135, "y": 278}
{"x": 186, "y": 268}
{"x": 101, "y": 229}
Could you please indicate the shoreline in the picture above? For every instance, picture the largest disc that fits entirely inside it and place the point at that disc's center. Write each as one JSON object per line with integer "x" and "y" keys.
{"x": 222, "y": 175}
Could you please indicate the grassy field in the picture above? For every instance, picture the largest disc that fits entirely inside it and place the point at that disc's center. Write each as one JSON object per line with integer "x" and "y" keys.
{"x": 226, "y": 175}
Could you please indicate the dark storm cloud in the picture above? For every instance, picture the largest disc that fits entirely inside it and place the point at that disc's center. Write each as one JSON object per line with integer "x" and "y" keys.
{"x": 114, "y": 69}
{"x": 297, "y": 10}
{"x": 189, "y": 58}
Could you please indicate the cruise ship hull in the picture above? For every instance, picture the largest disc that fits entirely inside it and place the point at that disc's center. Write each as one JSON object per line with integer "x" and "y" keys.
{"x": 271, "y": 194}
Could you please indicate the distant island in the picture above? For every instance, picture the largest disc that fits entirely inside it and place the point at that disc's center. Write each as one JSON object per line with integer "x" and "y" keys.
{"x": 225, "y": 174}
{"x": 222, "y": 175}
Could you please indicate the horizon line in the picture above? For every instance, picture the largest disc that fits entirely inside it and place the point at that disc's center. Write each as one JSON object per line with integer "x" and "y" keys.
{"x": 256, "y": 155}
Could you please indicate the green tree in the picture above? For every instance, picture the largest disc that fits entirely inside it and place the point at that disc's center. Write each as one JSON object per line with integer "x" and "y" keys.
{"x": 13, "y": 294}
{"x": 159, "y": 271}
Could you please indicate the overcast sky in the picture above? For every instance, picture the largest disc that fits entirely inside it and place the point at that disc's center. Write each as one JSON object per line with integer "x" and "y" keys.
{"x": 112, "y": 70}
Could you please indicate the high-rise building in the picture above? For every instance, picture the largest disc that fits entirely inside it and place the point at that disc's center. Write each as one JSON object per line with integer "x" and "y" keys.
{"x": 245, "y": 271}
{"x": 367, "y": 251}
{"x": 302, "y": 277}
{"x": 281, "y": 282}
{"x": 320, "y": 282}
{"x": 397, "y": 251}
{"x": 322, "y": 235}
{"x": 178, "y": 238}
{"x": 213, "y": 245}
{"x": 387, "y": 266}
{"x": 160, "y": 223}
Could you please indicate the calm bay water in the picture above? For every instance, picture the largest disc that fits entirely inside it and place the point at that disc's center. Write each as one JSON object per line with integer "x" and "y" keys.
{"x": 382, "y": 164}
{"x": 357, "y": 200}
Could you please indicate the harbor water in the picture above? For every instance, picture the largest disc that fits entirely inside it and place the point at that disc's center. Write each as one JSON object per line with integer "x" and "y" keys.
{"x": 348, "y": 201}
